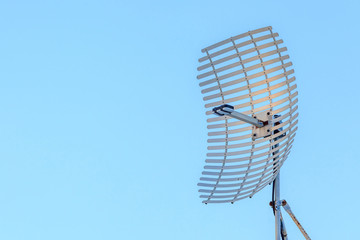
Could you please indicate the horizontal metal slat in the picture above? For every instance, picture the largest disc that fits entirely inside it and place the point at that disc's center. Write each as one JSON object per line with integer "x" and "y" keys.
{"x": 236, "y": 38}
{"x": 260, "y": 100}
{"x": 251, "y": 68}
{"x": 232, "y": 131}
{"x": 242, "y": 62}
{"x": 238, "y": 45}
{"x": 246, "y": 144}
{"x": 265, "y": 167}
{"x": 214, "y": 140}
{"x": 258, "y": 92}
{"x": 280, "y": 110}
{"x": 224, "y": 201}
{"x": 269, "y": 162}
{"x": 236, "y": 123}
{"x": 246, "y": 194}
{"x": 235, "y": 189}
{"x": 228, "y": 185}
{"x": 216, "y": 191}
{"x": 235, "y": 160}
{"x": 293, "y": 122}
{"x": 249, "y": 77}
{"x": 222, "y": 154}
{"x": 252, "y": 85}
{"x": 250, "y": 170}
{"x": 255, "y": 110}
{"x": 239, "y": 54}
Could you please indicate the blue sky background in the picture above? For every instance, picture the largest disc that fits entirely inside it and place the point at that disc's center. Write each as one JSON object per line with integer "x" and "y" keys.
{"x": 103, "y": 131}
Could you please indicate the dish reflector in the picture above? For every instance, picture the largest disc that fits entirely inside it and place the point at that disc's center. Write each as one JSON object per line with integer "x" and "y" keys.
{"x": 252, "y": 72}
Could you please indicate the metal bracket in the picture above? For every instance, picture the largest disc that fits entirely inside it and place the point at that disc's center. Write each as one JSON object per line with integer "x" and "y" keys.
{"x": 264, "y": 131}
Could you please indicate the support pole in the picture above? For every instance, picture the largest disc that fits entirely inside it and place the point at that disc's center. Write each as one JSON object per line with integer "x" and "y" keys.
{"x": 283, "y": 228}
{"x": 276, "y": 188}
{"x": 277, "y": 207}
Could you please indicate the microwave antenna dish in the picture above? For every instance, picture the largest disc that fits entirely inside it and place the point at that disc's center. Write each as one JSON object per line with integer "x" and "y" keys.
{"x": 249, "y": 85}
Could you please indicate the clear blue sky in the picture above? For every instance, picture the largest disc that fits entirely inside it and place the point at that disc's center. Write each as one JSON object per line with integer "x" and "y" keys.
{"x": 103, "y": 132}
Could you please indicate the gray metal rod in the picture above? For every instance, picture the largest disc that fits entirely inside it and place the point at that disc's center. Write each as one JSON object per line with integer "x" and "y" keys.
{"x": 277, "y": 207}
{"x": 243, "y": 117}
{"x": 288, "y": 210}
{"x": 283, "y": 228}
{"x": 277, "y": 200}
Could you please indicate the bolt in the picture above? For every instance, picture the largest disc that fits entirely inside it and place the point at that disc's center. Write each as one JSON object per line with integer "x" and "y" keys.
{"x": 254, "y": 134}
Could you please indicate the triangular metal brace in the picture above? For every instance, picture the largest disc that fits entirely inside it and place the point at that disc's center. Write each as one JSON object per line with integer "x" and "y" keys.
{"x": 287, "y": 208}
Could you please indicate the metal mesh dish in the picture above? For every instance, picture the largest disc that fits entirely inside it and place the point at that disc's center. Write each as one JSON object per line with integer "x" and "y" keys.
{"x": 253, "y": 73}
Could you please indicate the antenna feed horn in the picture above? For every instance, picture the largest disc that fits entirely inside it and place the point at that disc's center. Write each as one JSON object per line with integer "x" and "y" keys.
{"x": 228, "y": 110}
{"x": 224, "y": 109}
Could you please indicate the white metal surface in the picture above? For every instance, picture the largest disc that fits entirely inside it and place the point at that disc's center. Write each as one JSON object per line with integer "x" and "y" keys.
{"x": 252, "y": 72}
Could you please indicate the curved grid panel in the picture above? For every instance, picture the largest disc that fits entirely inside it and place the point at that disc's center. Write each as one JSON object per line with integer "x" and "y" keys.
{"x": 252, "y": 72}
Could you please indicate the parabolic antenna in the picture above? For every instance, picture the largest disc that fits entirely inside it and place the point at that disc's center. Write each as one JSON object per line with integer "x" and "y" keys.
{"x": 249, "y": 85}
